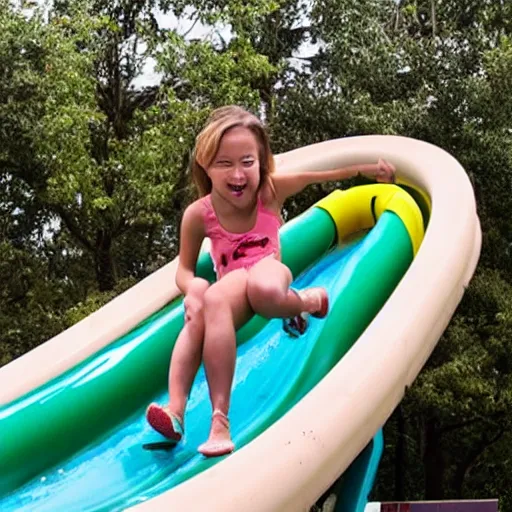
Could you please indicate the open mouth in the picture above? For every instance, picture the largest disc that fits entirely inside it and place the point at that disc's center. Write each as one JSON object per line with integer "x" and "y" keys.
{"x": 237, "y": 189}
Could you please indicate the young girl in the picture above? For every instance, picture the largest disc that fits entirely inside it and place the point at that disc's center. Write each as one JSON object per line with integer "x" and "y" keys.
{"x": 239, "y": 210}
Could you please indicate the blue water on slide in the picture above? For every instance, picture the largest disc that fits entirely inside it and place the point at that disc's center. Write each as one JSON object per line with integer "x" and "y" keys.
{"x": 115, "y": 472}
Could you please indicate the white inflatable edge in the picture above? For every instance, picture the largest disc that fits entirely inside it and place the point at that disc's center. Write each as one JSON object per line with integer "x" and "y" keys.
{"x": 293, "y": 462}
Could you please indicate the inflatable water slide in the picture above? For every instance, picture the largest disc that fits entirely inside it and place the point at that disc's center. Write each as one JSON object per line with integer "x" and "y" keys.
{"x": 306, "y": 412}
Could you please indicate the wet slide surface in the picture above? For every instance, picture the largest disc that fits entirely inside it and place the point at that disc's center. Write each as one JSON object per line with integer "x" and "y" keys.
{"x": 273, "y": 372}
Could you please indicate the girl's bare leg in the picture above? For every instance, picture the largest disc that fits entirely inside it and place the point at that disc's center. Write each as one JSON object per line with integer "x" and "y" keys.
{"x": 269, "y": 294}
{"x": 186, "y": 356}
{"x": 225, "y": 309}
{"x": 185, "y": 361}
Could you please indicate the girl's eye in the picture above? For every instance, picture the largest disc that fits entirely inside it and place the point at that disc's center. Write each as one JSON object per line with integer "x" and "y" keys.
{"x": 248, "y": 163}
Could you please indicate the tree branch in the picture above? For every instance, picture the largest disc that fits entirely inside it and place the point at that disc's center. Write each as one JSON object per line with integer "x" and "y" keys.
{"x": 470, "y": 458}
{"x": 304, "y": 58}
{"x": 456, "y": 426}
{"x": 449, "y": 428}
{"x": 192, "y": 27}
{"x": 433, "y": 15}
{"x": 73, "y": 227}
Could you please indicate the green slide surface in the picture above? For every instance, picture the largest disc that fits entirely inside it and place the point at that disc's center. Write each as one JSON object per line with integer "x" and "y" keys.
{"x": 76, "y": 443}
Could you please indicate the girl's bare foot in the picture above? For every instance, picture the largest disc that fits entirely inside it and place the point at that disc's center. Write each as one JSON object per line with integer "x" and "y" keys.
{"x": 219, "y": 442}
{"x": 316, "y": 301}
{"x": 165, "y": 422}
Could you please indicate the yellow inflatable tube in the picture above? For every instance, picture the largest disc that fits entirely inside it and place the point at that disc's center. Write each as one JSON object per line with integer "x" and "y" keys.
{"x": 359, "y": 209}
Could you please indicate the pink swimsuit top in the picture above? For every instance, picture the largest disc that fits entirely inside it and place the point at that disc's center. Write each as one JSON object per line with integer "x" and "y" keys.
{"x": 231, "y": 251}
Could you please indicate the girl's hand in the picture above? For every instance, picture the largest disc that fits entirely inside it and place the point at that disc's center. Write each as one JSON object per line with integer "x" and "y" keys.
{"x": 385, "y": 172}
{"x": 194, "y": 299}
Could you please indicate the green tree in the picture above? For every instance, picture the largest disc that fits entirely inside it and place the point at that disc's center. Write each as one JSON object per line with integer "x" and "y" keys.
{"x": 106, "y": 156}
{"x": 93, "y": 169}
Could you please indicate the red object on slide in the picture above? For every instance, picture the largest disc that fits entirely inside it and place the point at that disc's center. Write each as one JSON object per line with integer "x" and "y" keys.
{"x": 442, "y": 506}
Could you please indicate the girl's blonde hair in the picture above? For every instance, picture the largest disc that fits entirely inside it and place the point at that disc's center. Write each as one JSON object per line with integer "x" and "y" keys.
{"x": 208, "y": 141}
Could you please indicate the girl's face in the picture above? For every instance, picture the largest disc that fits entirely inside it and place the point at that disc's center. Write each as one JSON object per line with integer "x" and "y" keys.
{"x": 235, "y": 169}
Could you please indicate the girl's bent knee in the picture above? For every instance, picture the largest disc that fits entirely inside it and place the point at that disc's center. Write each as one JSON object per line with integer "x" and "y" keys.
{"x": 263, "y": 294}
{"x": 198, "y": 287}
{"x": 213, "y": 300}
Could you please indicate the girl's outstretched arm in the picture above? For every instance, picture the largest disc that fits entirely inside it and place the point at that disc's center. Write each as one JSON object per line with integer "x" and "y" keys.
{"x": 191, "y": 237}
{"x": 289, "y": 184}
